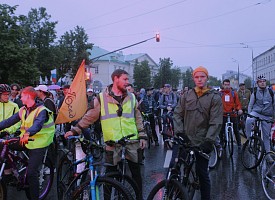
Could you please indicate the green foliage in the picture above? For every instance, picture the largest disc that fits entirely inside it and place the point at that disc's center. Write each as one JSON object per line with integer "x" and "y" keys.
{"x": 248, "y": 82}
{"x": 72, "y": 49}
{"x": 142, "y": 74}
{"x": 17, "y": 59}
{"x": 165, "y": 73}
{"x": 176, "y": 76}
{"x": 213, "y": 81}
{"x": 188, "y": 79}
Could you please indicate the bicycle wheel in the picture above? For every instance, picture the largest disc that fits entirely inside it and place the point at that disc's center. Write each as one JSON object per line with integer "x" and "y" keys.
{"x": 168, "y": 131}
{"x": 252, "y": 152}
{"x": 268, "y": 175}
{"x": 213, "y": 160}
{"x": 230, "y": 141}
{"x": 128, "y": 182}
{"x": 46, "y": 175}
{"x": 191, "y": 182}
{"x": 148, "y": 131}
{"x": 168, "y": 189}
{"x": 65, "y": 174}
{"x": 106, "y": 188}
{"x": 3, "y": 191}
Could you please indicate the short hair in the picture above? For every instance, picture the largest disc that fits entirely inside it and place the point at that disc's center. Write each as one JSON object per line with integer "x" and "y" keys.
{"x": 118, "y": 73}
{"x": 131, "y": 85}
{"x": 30, "y": 91}
{"x": 66, "y": 87}
{"x": 225, "y": 80}
{"x": 16, "y": 85}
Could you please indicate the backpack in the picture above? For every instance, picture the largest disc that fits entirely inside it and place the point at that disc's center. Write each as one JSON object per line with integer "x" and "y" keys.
{"x": 270, "y": 92}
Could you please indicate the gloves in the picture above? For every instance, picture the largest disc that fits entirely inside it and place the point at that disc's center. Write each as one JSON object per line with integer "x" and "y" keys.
{"x": 206, "y": 147}
{"x": 24, "y": 139}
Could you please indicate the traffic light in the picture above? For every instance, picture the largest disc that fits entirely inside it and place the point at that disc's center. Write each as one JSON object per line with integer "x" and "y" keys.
{"x": 88, "y": 74}
{"x": 157, "y": 37}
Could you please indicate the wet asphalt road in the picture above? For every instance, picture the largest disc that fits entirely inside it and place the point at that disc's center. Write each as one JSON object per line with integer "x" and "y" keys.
{"x": 229, "y": 179}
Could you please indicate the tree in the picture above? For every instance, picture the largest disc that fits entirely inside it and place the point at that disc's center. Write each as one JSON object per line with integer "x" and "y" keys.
{"x": 142, "y": 75}
{"x": 165, "y": 73}
{"x": 17, "y": 58}
{"x": 248, "y": 82}
{"x": 213, "y": 81}
{"x": 72, "y": 49}
{"x": 188, "y": 79}
{"x": 176, "y": 76}
{"x": 40, "y": 34}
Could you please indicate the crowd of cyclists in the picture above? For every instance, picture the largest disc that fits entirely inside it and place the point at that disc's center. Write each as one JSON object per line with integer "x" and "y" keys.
{"x": 198, "y": 115}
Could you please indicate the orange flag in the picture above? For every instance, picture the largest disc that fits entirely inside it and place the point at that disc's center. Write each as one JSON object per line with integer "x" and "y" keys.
{"x": 75, "y": 103}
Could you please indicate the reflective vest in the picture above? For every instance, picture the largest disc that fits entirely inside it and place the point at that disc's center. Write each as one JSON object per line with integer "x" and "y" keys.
{"x": 7, "y": 110}
{"x": 113, "y": 126}
{"x": 44, "y": 137}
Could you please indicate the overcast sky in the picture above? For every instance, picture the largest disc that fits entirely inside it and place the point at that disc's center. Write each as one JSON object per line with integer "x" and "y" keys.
{"x": 193, "y": 32}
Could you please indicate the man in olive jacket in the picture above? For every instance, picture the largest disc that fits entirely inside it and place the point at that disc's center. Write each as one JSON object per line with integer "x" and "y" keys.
{"x": 198, "y": 118}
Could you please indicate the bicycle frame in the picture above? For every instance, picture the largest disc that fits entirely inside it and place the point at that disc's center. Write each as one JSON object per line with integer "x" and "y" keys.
{"x": 228, "y": 125}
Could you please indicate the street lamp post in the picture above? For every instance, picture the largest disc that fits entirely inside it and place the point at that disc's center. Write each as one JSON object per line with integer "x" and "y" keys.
{"x": 252, "y": 59}
{"x": 238, "y": 76}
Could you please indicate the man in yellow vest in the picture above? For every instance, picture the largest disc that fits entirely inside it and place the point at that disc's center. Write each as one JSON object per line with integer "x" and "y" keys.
{"x": 37, "y": 123}
{"x": 119, "y": 116}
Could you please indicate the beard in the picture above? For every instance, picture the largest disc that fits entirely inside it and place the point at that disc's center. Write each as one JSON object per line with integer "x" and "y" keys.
{"x": 122, "y": 89}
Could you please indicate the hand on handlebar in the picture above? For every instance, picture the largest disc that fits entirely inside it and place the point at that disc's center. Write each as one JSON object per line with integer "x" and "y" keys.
{"x": 68, "y": 134}
{"x": 240, "y": 112}
{"x": 169, "y": 108}
{"x": 206, "y": 147}
{"x": 24, "y": 139}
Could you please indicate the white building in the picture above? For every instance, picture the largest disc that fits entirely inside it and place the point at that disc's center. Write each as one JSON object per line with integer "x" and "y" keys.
{"x": 264, "y": 64}
{"x": 102, "y": 68}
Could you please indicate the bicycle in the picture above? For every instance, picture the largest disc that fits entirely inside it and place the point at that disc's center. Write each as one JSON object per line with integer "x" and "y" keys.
{"x": 147, "y": 128}
{"x": 168, "y": 129}
{"x": 171, "y": 187}
{"x": 228, "y": 137}
{"x": 254, "y": 149}
{"x": 90, "y": 184}
{"x": 213, "y": 158}
{"x": 121, "y": 174}
{"x": 18, "y": 163}
{"x": 268, "y": 175}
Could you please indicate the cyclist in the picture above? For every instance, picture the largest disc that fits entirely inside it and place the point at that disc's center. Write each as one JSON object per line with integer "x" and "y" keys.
{"x": 37, "y": 123}
{"x": 119, "y": 115}
{"x": 15, "y": 94}
{"x": 261, "y": 105}
{"x": 198, "y": 119}
{"x": 231, "y": 103}
{"x": 7, "y": 109}
{"x": 167, "y": 102}
{"x": 149, "y": 106}
{"x": 244, "y": 96}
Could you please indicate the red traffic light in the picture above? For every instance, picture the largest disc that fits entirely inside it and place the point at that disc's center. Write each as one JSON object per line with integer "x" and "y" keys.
{"x": 157, "y": 37}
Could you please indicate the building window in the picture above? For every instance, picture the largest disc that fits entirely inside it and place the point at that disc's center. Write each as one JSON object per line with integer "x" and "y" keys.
{"x": 96, "y": 69}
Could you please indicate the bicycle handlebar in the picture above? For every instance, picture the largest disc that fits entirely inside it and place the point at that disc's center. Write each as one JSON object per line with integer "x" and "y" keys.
{"x": 258, "y": 118}
{"x": 179, "y": 140}
{"x": 12, "y": 140}
{"x": 123, "y": 141}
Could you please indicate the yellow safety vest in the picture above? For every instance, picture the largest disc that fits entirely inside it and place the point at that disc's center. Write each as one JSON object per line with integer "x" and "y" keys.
{"x": 44, "y": 137}
{"x": 7, "y": 110}
{"x": 113, "y": 126}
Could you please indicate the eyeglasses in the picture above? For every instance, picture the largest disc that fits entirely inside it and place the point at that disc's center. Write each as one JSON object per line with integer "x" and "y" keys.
{"x": 119, "y": 111}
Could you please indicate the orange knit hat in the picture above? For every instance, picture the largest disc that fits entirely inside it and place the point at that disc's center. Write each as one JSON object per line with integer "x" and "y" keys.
{"x": 200, "y": 69}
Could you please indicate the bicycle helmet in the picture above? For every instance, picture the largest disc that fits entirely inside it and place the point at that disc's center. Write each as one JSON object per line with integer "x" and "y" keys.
{"x": 261, "y": 77}
{"x": 4, "y": 88}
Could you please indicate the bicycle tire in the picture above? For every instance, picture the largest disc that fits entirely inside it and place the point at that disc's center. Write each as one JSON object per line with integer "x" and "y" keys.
{"x": 148, "y": 131}
{"x": 213, "y": 160}
{"x": 191, "y": 182}
{"x": 128, "y": 182}
{"x": 45, "y": 180}
{"x": 168, "y": 131}
{"x": 252, "y": 152}
{"x": 172, "y": 187}
{"x": 3, "y": 191}
{"x": 230, "y": 144}
{"x": 102, "y": 184}
{"x": 268, "y": 175}
{"x": 65, "y": 174}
